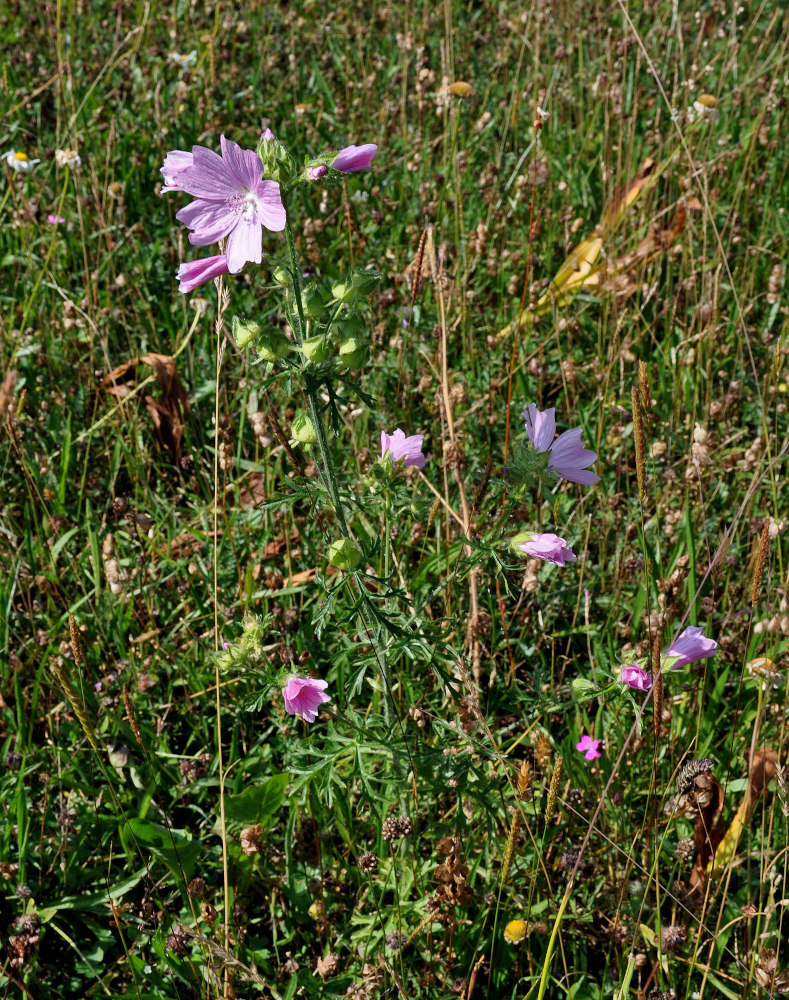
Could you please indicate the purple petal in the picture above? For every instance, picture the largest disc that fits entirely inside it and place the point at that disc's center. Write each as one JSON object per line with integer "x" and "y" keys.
{"x": 243, "y": 164}
{"x": 208, "y": 177}
{"x": 354, "y": 158}
{"x": 210, "y": 220}
{"x": 540, "y": 426}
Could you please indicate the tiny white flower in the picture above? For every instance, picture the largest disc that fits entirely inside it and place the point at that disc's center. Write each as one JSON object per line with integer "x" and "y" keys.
{"x": 68, "y": 158}
{"x": 543, "y": 115}
{"x": 184, "y": 61}
{"x": 19, "y": 161}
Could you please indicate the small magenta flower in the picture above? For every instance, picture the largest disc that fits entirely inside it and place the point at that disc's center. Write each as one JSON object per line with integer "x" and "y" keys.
{"x": 197, "y": 272}
{"x": 55, "y": 219}
{"x": 354, "y": 158}
{"x": 547, "y": 546}
{"x": 315, "y": 173}
{"x": 691, "y": 645}
{"x": 569, "y": 459}
{"x": 409, "y": 449}
{"x": 636, "y": 677}
{"x": 232, "y": 200}
{"x": 304, "y": 696}
{"x": 588, "y": 747}
{"x": 540, "y": 426}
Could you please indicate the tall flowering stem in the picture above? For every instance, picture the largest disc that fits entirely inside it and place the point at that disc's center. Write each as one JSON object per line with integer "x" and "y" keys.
{"x": 330, "y": 474}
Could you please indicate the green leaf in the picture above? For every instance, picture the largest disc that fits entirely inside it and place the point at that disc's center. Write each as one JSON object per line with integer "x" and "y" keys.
{"x": 173, "y": 847}
{"x": 257, "y": 804}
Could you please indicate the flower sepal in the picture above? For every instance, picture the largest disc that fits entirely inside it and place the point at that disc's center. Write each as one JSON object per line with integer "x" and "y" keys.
{"x": 345, "y": 554}
{"x": 278, "y": 164}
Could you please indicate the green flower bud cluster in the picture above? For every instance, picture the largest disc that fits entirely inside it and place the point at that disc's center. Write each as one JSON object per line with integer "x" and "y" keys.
{"x": 278, "y": 164}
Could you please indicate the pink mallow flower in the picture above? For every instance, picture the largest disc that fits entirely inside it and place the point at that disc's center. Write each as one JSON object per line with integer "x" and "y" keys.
{"x": 540, "y": 426}
{"x": 550, "y": 547}
{"x": 304, "y": 696}
{"x": 689, "y": 646}
{"x": 55, "y": 219}
{"x": 636, "y": 677}
{"x": 588, "y": 747}
{"x": 569, "y": 459}
{"x": 354, "y": 158}
{"x": 232, "y": 201}
{"x": 409, "y": 449}
{"x": 197, "y": 272}
{"x": 315, "y": 173}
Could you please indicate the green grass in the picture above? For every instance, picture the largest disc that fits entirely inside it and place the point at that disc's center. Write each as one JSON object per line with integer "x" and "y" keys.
{"x": 113, "y": 875}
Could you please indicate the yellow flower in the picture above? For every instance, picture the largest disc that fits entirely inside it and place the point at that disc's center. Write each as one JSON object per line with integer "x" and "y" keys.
{"x": 515, "y": 931}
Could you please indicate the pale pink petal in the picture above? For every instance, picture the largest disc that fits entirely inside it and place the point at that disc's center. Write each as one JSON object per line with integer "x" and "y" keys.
{"x": 210, "y": 220}
{"x": 208, "y": 177}
{"x": 271, "y": 211}
{"x": 244, "y": 244}
{"x": 243, "y": 164}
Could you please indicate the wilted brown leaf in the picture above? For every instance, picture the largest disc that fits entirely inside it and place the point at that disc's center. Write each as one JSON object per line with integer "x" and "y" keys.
{"x": 761, "y": 773}
{"x": 169, "y": 411}
{"x": 708, "y": 831}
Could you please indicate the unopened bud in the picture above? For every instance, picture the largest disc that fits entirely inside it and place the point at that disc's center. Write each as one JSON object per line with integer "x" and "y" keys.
{"x": 343, "y": 292}
{"x": 245, "y": 331}
{"x": 353, "y": 352}
{"x": 312, "y": 302}
{"x": 345, "y": 554}
{"x": 282, "y": 276}
{"x": 272, "y": 345}
{"x": 317, "y": 349}
{"x": 303, "y": 429}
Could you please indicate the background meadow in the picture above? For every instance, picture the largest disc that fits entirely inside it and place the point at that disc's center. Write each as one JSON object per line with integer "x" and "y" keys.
{"x": 442, "y": 838}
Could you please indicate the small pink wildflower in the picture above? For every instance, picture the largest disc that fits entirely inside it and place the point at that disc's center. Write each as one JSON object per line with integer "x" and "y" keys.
{"x": 304, "y": 696}
{"x": 588, "y": 747}
{"x": 401, "y": 447}
{"x": 55, "y": 219}
{"x": 550, "y": 547}
{"x": 636, "y": 677}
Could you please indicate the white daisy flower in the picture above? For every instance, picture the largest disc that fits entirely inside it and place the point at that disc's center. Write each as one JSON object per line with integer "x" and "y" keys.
{"x": 184, "y": 61}
{"x": 19, "y": 161}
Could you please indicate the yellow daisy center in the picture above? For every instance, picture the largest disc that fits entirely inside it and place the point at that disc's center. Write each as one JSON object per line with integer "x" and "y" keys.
{"x": 21, "y": 156}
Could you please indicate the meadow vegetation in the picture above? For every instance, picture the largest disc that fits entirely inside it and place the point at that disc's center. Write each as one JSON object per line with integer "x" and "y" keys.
{"x": 283, "y": 716}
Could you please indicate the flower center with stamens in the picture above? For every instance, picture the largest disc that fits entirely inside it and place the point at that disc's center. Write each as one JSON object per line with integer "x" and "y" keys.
{"x": 246, "y": 205}
{"x": 22, "y": 157}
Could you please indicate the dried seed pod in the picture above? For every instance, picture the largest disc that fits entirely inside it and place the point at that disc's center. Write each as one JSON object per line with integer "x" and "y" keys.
{"x": 690, "y": 771}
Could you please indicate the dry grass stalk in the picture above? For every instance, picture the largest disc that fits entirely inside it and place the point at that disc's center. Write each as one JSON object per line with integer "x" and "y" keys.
{"x": 130, "y": 716}
{"x": 76, "y": 641}
{"x": 76, "y": 703}
{"x": 517, "y": 822}
{"x": 553, "y": 790}
{"x": 640, "y": 444}
{"x": 657, "y": 687}
{"x": 761, "y": 559}
{"x": 644, "y": 388}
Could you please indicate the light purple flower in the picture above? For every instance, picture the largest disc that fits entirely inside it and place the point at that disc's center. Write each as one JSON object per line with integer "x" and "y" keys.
{"x": 315, "y": 173}
{"x": 197, "y": 272}
{"x": 588, "y": 747}
{"x": 540, "y": 426}
{"x": 550, "y": 547}
{"x": 570, "y": 459}
{"x": 267, "y": 135}
{"x": 690, "y": 646}
{"x": 636, "y": 677}
{"x": 304, "y": 696}
{"x": 354, "y": 158}
{"x": 176, "y": 161}
{"x": 55, "y": 219}
{"x": 401, "y": 447}
{"x": 232, "y": 201}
